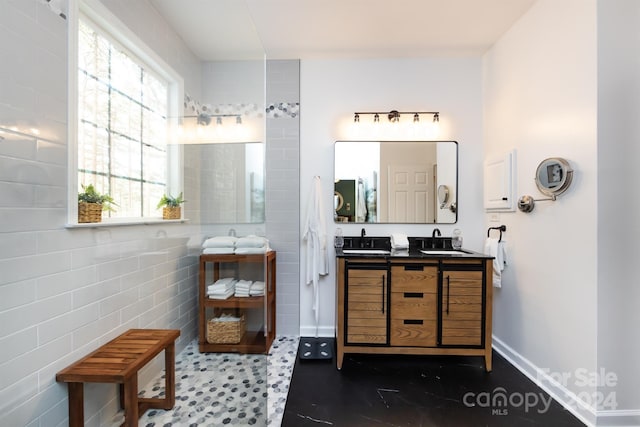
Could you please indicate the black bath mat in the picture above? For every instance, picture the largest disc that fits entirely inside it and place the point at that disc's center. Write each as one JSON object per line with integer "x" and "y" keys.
{"x": 315, "y": 348}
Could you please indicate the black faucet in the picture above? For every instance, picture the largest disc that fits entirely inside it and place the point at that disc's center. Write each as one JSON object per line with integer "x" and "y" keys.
{"x": 362, "y": 239}
{"x": 433, "y": 237}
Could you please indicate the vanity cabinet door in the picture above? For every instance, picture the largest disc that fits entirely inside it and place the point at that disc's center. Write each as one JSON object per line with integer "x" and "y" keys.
{"x": 366, "y": 313}
{"x": 414, "y": 305}
{"x": 462, "y": 308}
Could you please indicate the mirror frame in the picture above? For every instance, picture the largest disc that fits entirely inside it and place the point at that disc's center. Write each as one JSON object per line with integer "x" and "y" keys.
{"x": 443, "y": 213}
{"x": 553, "y": 176}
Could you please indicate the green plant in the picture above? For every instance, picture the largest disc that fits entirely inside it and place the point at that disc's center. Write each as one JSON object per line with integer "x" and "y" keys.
{"x": 170, "y": 201}
{"x": 90, "y": 195}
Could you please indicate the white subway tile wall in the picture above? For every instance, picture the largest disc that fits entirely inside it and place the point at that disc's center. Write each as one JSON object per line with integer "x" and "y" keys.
{"x": 64, "y": 292}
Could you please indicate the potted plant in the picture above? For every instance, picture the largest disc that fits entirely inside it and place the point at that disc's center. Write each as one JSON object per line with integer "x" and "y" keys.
{"x": 171, "y": 206}
{"x": 91, "y": 204}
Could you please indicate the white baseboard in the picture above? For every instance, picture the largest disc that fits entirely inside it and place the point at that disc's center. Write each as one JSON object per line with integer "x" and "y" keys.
{"x": 622, "y": 418}
{"x": 323, "y": 331}
{"x": 562, "y": 395}
{"x": 556, "y": 390}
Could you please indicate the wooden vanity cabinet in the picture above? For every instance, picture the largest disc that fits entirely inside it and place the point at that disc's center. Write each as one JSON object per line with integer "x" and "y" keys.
{"x": 429, "y": 306}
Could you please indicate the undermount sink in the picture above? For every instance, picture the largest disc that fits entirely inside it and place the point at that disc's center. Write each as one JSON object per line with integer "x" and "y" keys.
{"x": 366, "y": 251}
{"x": 443, "y": 252}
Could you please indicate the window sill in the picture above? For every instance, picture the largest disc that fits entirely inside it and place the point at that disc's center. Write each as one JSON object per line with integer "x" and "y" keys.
{"x": 126, "y": 222}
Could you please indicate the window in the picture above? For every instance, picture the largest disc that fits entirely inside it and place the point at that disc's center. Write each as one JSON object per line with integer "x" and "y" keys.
{"x": 124, "y": 102}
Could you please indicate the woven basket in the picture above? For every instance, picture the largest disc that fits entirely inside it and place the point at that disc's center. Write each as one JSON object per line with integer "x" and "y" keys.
{"x": 225, "y": 332}
{"x": 171, "y": 213}
{"x": 89, "y": 212}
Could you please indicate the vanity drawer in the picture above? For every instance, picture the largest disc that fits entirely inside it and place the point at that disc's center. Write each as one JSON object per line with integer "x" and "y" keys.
{"x": 414, "y": 278}
{"x": 414, "y": 305}
{"x": 413, "y": 332}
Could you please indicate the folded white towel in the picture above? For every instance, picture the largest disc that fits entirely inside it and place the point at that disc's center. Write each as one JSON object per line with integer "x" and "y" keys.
{"x": 399, "y": 241}
{"x": 225, "y": 295}
{"x": 220, "y": 289}
{"x": 257, "y": 285}
{"x": 251, "y": 242}
{"x": 496, "y": 249}
{"x": 249, "y": 251}
{"x": 225, "y": 281}
{"x": 217, "y": 251}
{"x": 220, "y": 242}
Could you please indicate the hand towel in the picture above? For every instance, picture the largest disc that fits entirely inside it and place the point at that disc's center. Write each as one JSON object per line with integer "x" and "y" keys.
{"x": 220, "y": 242}
{"x": 315, "y": 236}
{"x": 496, "y": 249}
{"x": 251, "y": 242}
{"x": 399, "y": 241}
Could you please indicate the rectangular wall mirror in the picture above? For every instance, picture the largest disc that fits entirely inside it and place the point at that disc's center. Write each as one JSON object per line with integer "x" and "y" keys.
{"x": 410, "y": 182}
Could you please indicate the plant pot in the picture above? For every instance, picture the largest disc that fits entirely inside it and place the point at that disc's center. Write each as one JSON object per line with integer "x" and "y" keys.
{"x": 89, "y": 212}
{"x": 171, "y": 213}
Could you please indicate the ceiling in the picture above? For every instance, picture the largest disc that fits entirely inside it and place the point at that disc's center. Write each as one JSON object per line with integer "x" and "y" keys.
{"x": 307, "y": 29}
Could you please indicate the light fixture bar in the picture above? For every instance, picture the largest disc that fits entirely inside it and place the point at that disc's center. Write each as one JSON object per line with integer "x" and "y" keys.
{"x": 394, "y": 115}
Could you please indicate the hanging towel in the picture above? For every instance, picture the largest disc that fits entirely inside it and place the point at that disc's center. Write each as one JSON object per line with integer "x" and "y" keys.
{"x": 498, "y": 251}
{"x": 315, "y": 236}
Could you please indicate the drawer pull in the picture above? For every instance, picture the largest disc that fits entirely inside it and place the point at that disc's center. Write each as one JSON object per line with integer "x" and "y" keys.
{"x": 414, "y": 267}
{"x": 413, "y": 322}
{"x": 413, "y": 295}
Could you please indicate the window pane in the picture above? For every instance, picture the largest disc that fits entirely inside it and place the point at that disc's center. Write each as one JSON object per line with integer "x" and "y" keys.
{"x": 93, "y": 149}
{"x": 125, "y": 157}
{"x": 155, "y": 165}
{"x": 126, "y": 75}
{"x": 125, "y": 116}
{"x": 128, "y": 196}
{"x": 152, "y": 195}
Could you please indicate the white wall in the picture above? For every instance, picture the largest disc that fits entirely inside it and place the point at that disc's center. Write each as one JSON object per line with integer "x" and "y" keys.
{"x": 618, "y": 206}
{"x": 540, "y": 87}
{"x": 63, "y": 292}
{"x": 332, "y": 90}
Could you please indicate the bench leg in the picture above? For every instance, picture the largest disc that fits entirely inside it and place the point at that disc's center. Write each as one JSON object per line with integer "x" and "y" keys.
{"x": 170, "y": 376}
{"x": 130, "y": 389}
{"x": 76, "y": 404}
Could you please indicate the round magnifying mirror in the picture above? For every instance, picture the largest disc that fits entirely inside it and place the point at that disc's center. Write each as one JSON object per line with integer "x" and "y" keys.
{"x": 338, "y": 200}
{"x": 443, "y": 195}
{"x": 553, "y": 176}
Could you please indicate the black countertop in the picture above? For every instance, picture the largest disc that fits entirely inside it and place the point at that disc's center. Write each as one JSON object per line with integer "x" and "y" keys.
{"x": 412, "y": 254}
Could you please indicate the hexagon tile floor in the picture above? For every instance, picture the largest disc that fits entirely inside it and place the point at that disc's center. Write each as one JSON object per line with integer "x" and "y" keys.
{"x": 224, "y": 389}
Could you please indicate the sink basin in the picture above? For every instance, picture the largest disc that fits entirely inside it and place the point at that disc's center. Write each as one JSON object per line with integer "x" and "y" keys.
{"x": 443, "y": 252}
{"x": 366, "y": 251}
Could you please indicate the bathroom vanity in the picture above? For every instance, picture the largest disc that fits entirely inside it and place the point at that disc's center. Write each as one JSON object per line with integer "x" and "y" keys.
{"x": 424, "y": 302}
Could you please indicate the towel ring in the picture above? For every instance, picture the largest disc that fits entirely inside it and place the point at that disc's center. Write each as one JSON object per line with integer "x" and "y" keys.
{"x": 501, "y": 228}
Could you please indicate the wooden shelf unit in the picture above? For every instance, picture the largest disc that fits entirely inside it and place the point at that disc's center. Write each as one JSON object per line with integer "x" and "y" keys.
{"x": 253, "y": 341}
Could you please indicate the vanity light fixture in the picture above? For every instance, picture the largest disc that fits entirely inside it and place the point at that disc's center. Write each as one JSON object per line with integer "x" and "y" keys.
{"x": 204, "y": 119}
{"x": 395, "y": 115}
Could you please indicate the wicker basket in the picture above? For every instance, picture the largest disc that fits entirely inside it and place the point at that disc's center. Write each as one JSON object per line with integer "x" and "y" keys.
{"x": 225, "y": 331}
{"x": 89, "y": 212}
{"x": 171, "y": 213}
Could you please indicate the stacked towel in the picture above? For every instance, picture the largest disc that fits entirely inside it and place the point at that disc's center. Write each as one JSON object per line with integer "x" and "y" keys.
{"x": 230, "y": 244}
{"x": 220, "y": 242}
{"x": 217, "y": 251}
{"x": 242, "y": 288}
{"x": 399, "y": 241}
{"x": 257, "y": 288}
{"x": 222, "y": 288}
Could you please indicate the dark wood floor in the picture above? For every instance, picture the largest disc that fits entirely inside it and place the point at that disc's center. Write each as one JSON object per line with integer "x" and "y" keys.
{"x": 434, "y": 391}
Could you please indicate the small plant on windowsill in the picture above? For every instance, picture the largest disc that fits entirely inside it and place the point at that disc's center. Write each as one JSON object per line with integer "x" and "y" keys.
{"x": 91, "y": 204}
{"x": 171, "y": 206}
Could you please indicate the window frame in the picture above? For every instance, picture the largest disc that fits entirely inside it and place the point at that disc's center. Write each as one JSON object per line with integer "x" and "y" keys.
{"x": 99, "y": 15}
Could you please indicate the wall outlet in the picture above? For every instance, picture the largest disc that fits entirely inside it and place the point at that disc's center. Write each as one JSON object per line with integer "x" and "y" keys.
{"x": 494, "y": 217}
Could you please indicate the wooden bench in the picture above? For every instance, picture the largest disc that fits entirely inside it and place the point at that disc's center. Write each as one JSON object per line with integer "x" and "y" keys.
{"x": 119, "y": 361}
